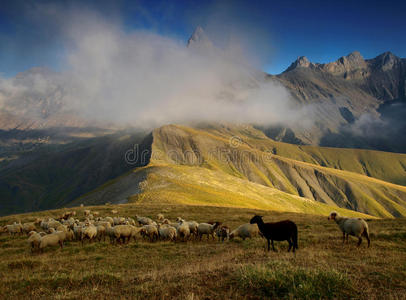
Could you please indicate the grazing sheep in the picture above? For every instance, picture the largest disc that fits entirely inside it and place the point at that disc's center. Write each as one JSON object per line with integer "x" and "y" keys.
{"x": 113, "y": 211}
{"x": 351, "y": 226}
{"x": 118, "y": 221}
{"x": 192, "y": 226}
{"x": 167, "y": 232}
{"x": 125, "y": 232}
{"x": 145, "y": 220}
{"x": 52, "y": 239}
{"x": 183, "y": 230}
{"x": 53, "y": 224}
{"x": 88, "y": 232}
{"x": 109, "y": 219}
{"x": 150, "y": 231}
{"x": 245, "y": 231}
{"x": 223, "y": 232}
{"x": 207, "y": 229}
{"x": 167, "y": 222}
{"x": 110, "y": 232}
{"x": 15, "y": 228}
{"x": 34, "y": 240}
{"x": 160, "y": 217}
{"x": 130, "y": 221}
{"x": 86, "y": 212}
{"x": 96, "y": 213}
{"x": 278, "y": 231}
{"x": 28, "y": 227}
{"x": 77, "y": 230}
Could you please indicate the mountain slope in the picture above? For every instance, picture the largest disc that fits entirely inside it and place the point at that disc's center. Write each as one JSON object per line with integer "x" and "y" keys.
{"x": 54, "y": 175}
{"x": 219, "y": 165}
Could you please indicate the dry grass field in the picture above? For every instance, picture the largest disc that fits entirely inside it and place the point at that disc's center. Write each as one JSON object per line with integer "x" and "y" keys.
{"x": 322, "y": 268}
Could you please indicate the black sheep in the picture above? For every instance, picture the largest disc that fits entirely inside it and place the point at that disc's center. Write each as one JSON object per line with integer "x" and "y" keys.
{"x": 278, "y": 231}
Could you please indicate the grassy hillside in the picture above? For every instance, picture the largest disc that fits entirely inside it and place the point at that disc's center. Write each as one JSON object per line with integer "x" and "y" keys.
{"x": 54, "y": 175}
{"x": 387, "y": 166}
{"x": 180, "y": 184}
{"x": 249, "y": 155}
{"x": 321, "y": 268}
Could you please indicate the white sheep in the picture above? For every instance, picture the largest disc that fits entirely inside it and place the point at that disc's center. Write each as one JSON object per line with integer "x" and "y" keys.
{"x": 52, "y": 239}
{"x": 207, "y": 229}
{"x": 245, "y": 231}
{"x": 101, "y": 232}
{"x": 86, "y": 212}
{"x": 145, "y": 220}
{"x": 77, "y": 230}
{"x": 34, "y": 239}
{"x": 14, "y": 229}
{"x": 183, "y": 230}
{"x": 160, "y": 217}
{"x": 28, "y": 227}
{"x": 150, "y": 231}
{"x": 130, "y": 221}
{"x": 110, "y": 232}
{"x": 351, "y": 226}
{"x": 88, "y": 232}
{"x": 109, "y": 219}
{"x": 118, "y": 221}
{"x": 125, "y": 233}
{"x": 192, "y": 225}
{"x": 167, "y": 232}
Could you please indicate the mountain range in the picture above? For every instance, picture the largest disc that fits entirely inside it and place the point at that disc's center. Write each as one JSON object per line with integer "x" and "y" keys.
{"x": 51, "y": 157}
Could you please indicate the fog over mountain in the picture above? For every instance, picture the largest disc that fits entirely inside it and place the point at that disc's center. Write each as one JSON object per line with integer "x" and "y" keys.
{"x": 145, "y": 79}
{"x": 113, "y": 77}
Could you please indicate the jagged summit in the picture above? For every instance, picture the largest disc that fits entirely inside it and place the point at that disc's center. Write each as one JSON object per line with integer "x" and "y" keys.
{"x": 199, "y": 39}
{"x": 350, "y": 64}
{"x": 301, "y": 61}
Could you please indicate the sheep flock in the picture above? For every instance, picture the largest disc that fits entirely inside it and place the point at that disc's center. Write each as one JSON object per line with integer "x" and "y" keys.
{"x": 91, "y": 227}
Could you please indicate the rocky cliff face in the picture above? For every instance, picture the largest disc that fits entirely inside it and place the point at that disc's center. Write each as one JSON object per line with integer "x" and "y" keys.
{"x": 355, "y": 100}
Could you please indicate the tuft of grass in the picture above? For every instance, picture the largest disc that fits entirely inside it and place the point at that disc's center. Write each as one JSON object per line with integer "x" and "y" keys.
{"x": 282, "y": 280}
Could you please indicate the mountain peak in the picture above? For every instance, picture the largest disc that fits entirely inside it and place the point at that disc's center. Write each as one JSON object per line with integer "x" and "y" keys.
{"x": 199, "y": 39}
{"x": 385, "y": 61}
{"x": 301, "y": 61}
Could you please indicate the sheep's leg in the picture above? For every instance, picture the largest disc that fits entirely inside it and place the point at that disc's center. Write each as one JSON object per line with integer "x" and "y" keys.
{"x": 367, "y": 237}
{"x": 273, "y": 248}
{"x": 343, "y": 237}
{"x": 359, "y": 241}
{"x": 269, "y": 245}
{"x": 290, "y": 245}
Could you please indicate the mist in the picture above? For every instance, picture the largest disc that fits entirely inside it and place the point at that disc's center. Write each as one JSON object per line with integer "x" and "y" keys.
{"x": 141, "y": 78}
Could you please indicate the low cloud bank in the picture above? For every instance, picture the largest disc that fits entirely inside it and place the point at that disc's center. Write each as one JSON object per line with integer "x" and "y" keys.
{"x": 142, "y": 78}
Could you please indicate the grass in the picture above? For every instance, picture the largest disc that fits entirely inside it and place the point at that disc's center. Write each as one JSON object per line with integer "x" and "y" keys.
{"x": 321, "y": 268}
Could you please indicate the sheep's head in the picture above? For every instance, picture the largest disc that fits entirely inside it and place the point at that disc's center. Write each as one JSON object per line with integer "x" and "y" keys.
{"x": 256, "y": 219}
{"x": 333, "y": 215}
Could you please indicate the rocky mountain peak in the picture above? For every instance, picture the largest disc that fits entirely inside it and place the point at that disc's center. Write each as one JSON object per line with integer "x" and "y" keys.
{"x": 385, "y": 61}
{"x": 352, "y": 61}
{"x": 199, "y": 39}
{"x": 301, "y": 61}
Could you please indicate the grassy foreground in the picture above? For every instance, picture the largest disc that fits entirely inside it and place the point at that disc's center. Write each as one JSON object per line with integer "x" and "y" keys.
{"x": 321, "y": 268}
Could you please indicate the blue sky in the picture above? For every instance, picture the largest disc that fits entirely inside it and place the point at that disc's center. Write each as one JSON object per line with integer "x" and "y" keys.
{"x": 272, "y": 33}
